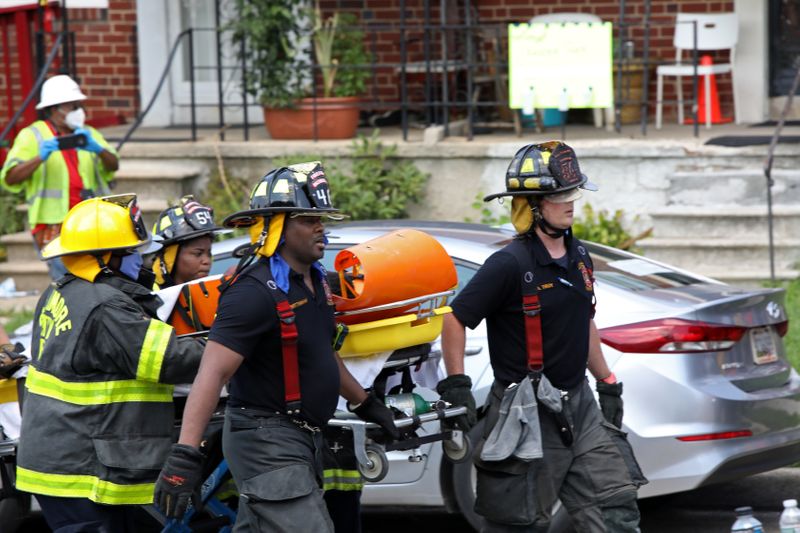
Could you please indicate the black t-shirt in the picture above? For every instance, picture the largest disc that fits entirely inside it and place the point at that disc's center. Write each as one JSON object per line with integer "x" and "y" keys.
{"x": 495, "y": 293}
{"x": 247, "y": 323}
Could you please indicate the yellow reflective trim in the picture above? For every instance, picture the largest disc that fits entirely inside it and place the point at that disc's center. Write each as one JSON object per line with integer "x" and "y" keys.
{"x": 341, "y": 479}
{"x": 153, "y": 348}
{"x": 513, "y": 183}
{"x": 84, "y": 486}
{"x": 97, "y": 392}
{"x": 527, "y": 165}
{"x": 342, "y": 486}
{"x": 545, "y": 157}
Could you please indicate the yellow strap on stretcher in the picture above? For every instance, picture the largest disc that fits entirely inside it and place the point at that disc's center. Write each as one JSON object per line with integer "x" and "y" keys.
{"x": 8, "y": 390}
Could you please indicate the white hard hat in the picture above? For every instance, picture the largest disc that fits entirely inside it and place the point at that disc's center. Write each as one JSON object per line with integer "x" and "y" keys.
{"x": 58, "y": 90}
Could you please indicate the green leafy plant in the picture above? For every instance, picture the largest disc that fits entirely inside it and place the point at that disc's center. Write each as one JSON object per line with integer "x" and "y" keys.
{"x": 272, "y": 31}
{"x": 275, "y": 33}
{"x": 349, "y": 53}
{"x": 602, "y": 228}
{"x": 487, "y": 216}
{"x": 379, "y": 184}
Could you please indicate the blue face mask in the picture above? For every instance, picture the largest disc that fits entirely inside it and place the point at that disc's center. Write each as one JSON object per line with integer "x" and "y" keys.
{"x": 131, "y": 265}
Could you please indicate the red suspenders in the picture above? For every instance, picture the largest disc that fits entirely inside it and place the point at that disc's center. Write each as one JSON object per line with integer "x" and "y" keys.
{"x": 531, "y": 308}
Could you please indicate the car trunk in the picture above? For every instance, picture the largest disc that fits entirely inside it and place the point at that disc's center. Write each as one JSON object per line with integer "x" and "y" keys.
{"x": 757, "y": 360}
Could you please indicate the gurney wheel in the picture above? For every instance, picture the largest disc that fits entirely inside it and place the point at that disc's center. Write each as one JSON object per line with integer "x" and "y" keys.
{"x": 378, "y": 467}
{"x": 455, "y": 453}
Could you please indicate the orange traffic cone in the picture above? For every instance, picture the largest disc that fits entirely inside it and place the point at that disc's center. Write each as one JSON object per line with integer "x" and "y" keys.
{"x": 716, "y": 115}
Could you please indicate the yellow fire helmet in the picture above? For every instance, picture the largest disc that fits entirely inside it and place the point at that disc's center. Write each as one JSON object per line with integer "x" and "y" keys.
{"x": 100, "y": 225}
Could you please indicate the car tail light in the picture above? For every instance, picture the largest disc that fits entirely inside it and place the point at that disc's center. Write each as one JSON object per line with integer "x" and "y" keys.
{"x": 717, "y": 436}
{"x": 672, "y": 335}
{"x": 782, "y": 328}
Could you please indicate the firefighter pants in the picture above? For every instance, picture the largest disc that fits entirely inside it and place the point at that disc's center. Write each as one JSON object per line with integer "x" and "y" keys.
{"x": 595, "y": 478}
{"x": 277, "y": 466}
{"x": 81, "y": 515}
{"x": 342, "y": 480}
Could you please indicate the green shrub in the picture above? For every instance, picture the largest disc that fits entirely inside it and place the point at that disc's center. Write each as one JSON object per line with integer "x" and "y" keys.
{"x": 487, "y": 216}
{"x": 602, "y": 228}
{"x": 378, "y": 186}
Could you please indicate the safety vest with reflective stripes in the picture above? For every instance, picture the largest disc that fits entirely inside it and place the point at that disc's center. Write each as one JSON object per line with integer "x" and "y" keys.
{"x": 47, "y": 190}
{"x": 98, "y": 414}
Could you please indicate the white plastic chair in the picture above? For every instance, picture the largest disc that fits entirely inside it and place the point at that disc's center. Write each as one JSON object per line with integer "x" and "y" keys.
{"x": 555, "y": 18}
{"x": 717, "y": 31}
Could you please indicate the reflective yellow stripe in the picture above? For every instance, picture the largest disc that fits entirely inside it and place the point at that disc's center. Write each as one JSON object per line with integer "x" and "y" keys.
{"x": 83, "y": 486}
{"x": 153, "y": 348}
{"x": 341, "y": 479}
{"x": 97, "y": 392}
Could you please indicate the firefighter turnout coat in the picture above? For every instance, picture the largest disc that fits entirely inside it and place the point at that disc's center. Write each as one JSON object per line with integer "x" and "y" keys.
{"x": 98, "y": 418}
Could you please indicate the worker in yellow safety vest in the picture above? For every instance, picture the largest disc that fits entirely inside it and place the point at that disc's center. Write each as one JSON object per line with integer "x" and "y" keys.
{"x": 57, "y": 162}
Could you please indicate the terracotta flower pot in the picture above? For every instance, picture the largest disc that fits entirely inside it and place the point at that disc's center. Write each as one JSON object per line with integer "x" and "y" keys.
{"x": 337, "y": 118}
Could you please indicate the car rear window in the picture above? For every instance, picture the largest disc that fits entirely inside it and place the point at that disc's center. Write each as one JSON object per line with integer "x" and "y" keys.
{"x": 631, "y": 272}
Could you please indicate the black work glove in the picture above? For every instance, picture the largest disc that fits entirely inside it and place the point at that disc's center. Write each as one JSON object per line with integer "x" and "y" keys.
{"x": 457, "y": 391}
{"x": 373, "y": 410}
{"x": 179, "y": 480}
{"x": 11, "y": 359}
{"x": 610, "y": 396}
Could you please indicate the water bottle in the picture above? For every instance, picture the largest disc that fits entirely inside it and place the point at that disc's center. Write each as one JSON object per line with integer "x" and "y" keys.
{"x": 745, "y": 522}
{"x": 790, "y": 517}
{"x": 410, "y": 403}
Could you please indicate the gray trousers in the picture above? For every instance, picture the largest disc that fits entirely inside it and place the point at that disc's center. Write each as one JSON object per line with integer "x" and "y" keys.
{"x": 277, "y": 467}
{"x": 594, "y": 480}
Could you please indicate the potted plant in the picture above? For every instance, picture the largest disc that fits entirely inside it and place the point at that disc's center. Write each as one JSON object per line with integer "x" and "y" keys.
{"x": 279, "y": 51}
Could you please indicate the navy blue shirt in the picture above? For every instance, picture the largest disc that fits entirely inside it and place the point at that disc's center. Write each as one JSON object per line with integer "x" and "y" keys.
{"x": 495, "y": 293}
{"x": 247, "y": 323}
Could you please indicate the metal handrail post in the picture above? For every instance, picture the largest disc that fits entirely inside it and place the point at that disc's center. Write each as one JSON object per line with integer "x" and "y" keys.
{"x": 470, "y": 62}
{"x": 403, "y": 81}
{"x": 695, "y": 57}
{"x": 618, "y": 60}
{"x": 191, "y": 83}
{"x": 35, "y": 89}
{"x": 768, "y": 165}
{"x": 645, "y": 66}
{"x": 220, "y": 105}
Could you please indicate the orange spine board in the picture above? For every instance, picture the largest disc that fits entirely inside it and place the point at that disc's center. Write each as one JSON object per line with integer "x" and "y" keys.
{"x": 397, "y": 266}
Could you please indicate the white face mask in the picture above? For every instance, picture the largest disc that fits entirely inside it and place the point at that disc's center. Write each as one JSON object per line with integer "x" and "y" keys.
{"x": 75, "y": 118}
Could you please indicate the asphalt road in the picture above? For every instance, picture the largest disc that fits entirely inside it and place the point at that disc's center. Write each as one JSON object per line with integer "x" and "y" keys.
{"x": 705, "y": 510}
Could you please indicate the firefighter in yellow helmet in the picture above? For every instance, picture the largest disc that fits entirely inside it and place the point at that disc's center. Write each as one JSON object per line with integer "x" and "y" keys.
{"x": 98, "y": 416}
{"x": 537, "y": 297}
{"x": 272, "y": 341}
{"x": 187, "y": 231}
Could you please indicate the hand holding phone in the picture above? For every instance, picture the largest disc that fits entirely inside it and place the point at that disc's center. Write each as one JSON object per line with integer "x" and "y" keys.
{"x": 91, "y": 143}
{"x": 75, "y": 140}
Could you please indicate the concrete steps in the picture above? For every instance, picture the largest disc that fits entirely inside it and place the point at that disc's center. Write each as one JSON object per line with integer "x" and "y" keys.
{"x": 715, "y": 223}
{"x": 745, "y": 187}
{"x": 156, "y": 183}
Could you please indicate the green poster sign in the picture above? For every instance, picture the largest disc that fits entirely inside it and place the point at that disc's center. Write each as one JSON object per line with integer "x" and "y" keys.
{"x": 560, "y": 65}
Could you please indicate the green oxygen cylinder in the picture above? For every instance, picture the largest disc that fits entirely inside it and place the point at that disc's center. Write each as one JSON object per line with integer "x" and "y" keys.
{"x": 410, "y": 403}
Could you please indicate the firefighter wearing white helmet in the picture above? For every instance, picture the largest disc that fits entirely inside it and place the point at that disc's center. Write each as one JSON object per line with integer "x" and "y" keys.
{"x": 99, "y": 416}
{"x": 537, "y": 297}
{"x": 57, "y": 162}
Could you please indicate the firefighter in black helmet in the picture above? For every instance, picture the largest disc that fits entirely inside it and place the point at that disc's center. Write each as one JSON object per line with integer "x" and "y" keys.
{"x": 537, "y": 296}
{"x": 187, "y": 230}
{"x": 272, "y": 341}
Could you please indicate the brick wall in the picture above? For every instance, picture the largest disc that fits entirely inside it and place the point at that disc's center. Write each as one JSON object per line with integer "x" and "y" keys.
{"x": 106, "y": 57}
{"x": 501, "y": 12}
